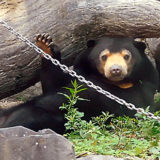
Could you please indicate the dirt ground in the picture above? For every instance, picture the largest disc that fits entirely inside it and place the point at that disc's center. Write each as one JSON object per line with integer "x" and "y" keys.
{"x": 22, "y": 96}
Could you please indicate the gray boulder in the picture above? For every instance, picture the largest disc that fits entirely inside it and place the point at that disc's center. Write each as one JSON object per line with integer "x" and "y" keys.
{"x": 19, "y": 143}
{"x": 101, "y": 157}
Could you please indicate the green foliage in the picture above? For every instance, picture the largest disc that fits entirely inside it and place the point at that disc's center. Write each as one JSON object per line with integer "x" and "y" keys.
{"x": 157, "y": 97}
{"x": 73, "y": 116}
{"x": 102, "y": 120}
{"x": 21, "y": 98}
{"x": 122, "y": 137}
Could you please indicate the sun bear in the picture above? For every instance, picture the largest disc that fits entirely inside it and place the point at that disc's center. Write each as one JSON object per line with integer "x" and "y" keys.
{"x": 118, "y": 65}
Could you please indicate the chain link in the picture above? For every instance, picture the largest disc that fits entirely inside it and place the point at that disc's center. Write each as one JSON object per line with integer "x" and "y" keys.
{"x": 79, "y": 77}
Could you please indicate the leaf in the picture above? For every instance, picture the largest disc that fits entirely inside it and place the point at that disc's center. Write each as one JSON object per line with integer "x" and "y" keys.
{"x": 82, "y": 99}
{"x": 68, "y": 97}
{"x": 154, "y": 150}
{"x": 74, "y": 83}
{"x": 139, "y": 150}
{"x": 71, "y": 90}
{"x": 80, "y": 90}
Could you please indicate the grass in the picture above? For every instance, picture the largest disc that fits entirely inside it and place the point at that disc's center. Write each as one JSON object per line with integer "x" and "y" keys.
{"x": 122, "y": 137}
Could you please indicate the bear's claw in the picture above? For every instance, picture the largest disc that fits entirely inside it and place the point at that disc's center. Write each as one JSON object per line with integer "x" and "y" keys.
{"x": 44, "y": 41}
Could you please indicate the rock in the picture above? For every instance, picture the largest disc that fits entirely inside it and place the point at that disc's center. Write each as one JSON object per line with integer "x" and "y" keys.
{"x": 153, "y": 44}
{"x": 154, "y": 47}
{"x": 19, "y": 143}
{"x": 101, "y": 157}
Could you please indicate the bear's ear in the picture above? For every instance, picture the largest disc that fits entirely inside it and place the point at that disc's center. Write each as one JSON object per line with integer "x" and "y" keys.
{"x": 91, "y": 43}
{"x": 140, "y": 45}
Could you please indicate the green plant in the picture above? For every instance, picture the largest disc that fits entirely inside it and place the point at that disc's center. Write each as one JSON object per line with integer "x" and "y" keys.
{"x": 73, "y": 116}
{"x": 123, "y": 136}
{"x": 102, "y": 119}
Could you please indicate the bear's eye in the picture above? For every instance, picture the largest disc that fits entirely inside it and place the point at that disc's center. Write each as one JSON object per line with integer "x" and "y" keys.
{"x": 104, "y": 57}
{"x": 126, "y": 57}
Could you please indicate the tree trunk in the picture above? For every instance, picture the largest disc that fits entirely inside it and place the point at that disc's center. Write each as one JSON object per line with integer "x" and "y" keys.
{"x": 71, "y": 23}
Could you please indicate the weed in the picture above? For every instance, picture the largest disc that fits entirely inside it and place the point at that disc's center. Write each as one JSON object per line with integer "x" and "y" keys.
{"x": 122, "y": 137}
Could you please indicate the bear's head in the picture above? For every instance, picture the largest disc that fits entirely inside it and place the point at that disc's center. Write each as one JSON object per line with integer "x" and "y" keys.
{"x": 116, "y": 58}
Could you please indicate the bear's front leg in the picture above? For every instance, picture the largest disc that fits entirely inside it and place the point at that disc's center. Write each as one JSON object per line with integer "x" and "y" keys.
{"x": 51, "y": 76}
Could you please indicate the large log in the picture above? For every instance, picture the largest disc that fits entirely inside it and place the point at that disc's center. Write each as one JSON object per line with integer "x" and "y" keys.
{"x": 71, "y": 23}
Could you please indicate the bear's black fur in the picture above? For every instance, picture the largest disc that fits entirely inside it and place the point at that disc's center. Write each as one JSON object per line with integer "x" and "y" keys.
{"x": 118, "y": 65}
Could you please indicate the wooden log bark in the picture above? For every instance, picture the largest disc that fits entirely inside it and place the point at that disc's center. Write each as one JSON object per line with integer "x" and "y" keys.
{"x": 71, "y": 23}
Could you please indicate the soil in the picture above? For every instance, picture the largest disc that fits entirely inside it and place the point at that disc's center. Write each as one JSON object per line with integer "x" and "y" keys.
{"x": 22, "y": 96}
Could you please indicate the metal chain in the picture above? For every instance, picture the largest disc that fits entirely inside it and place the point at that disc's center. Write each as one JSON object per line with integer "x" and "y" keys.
{"x": 79, "y": 77}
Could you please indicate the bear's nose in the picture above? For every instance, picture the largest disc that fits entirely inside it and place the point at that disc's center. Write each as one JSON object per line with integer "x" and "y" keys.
{"x": 115, "y": 70}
